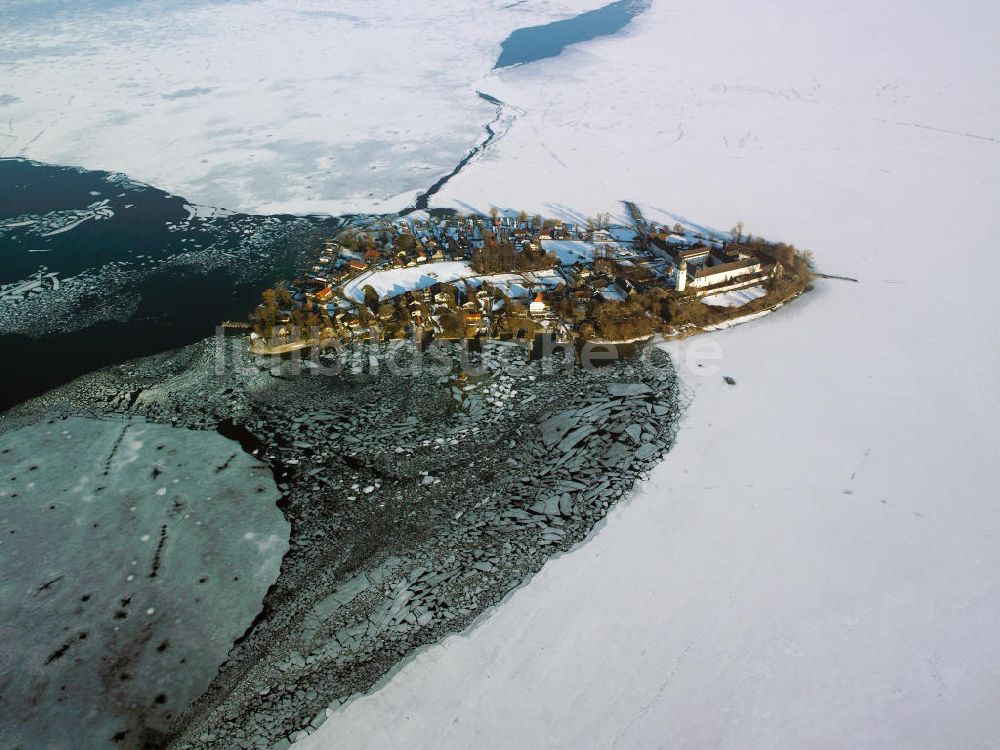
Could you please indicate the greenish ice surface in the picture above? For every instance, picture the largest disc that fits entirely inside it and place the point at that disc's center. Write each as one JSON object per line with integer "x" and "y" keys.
{"x": 132, "y": 556}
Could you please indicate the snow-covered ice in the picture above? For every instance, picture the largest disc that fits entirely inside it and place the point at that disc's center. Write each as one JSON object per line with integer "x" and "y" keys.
{"x": 815, "y": 563}
{"x": 133, "y": 556}
{"x": 265, "y": 105}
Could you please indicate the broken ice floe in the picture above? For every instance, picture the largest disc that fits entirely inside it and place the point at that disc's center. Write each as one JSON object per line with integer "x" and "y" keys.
{"x": 133, "y": 555}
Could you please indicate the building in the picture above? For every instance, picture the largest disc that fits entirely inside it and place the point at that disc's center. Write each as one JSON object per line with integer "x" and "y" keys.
{"x": 538, "y": 305}
{"x": 712, "y": 275}
{"x": 695, "y": 255}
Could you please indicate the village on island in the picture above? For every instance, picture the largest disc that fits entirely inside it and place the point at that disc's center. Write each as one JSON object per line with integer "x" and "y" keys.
{"x": 517, "y": 276}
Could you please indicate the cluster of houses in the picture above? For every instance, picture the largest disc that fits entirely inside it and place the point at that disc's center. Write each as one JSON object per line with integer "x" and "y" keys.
{"x": 395, "y": 276}
{"x": 411, "y": 243}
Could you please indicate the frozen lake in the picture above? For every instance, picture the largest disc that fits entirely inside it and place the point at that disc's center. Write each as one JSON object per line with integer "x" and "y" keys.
{"x": 119, "y": 264}
{"x": 133, "y": 555}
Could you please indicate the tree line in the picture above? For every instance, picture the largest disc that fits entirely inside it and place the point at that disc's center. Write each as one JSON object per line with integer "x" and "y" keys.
{"x": 503, "y": 257}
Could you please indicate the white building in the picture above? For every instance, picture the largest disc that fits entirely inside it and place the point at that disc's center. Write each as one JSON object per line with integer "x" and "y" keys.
{"x": 538, "y": 306}
{"x": 712, "y": 275}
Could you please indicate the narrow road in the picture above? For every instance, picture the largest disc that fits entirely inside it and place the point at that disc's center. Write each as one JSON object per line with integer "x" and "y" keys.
{"x": 639, "y": 221}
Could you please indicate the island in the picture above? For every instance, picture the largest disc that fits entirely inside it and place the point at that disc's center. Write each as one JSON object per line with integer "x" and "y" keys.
{"x": 515, "y": 276}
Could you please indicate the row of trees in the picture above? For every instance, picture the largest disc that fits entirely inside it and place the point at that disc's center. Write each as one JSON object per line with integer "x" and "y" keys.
{"x": 265, "y": 317}
{"x": 503, "y": 257}
{"x": 271, "y": 313}
{"x": 618, "y": 328}
{"x": 637, "y": 316}
{"x": 601, "y": 221}
{"x": 794, "y": 262}
{"x": 359, "y": 240}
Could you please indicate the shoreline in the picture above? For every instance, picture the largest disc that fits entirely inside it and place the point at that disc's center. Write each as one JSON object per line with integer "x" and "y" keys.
{"x": 729, "y": 322}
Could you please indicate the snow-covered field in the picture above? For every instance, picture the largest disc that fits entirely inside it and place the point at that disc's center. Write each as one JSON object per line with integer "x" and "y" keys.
{"x": 570, "y": 251}
{"x": 736, "y": 298}
{"x": 816, "y": 562}
{"x": 398, "y": 280}
{"x": 395, "y": 281}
